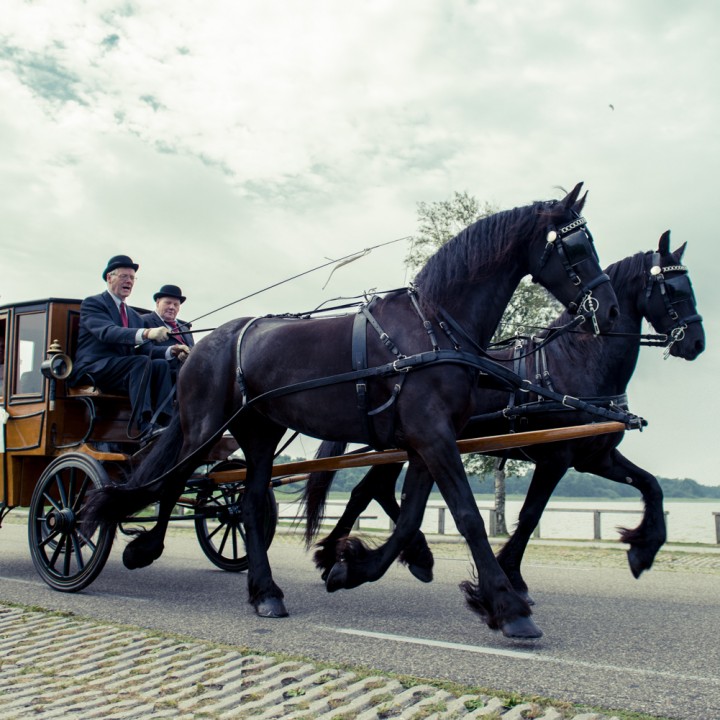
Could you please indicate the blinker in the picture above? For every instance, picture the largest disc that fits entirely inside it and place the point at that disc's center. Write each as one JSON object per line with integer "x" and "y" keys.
{"x": 679, "y": 289}
{"x": 577, "y": 247}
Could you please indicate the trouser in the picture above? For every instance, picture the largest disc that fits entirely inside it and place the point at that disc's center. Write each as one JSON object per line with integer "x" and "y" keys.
{"x": 147, "y": 382}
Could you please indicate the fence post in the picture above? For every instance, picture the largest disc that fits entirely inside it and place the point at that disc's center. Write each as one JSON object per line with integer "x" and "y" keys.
{"x": 441, "y": 520}
{"x": 596, "y": 525}
{"x": 717, "y": 527}
{"x": 536, "y": 532}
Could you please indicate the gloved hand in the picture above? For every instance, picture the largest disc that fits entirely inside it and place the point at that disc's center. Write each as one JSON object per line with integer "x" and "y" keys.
{"x": 180, "y": 352}
{"x": 158, "y": 334}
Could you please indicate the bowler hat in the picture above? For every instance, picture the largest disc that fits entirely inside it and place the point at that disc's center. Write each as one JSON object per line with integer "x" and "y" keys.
{"x": 118, "y": 261}
{"x": 169, "y": 291}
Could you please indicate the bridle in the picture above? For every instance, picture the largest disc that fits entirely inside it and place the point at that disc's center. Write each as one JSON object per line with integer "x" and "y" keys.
{"x": 673, "y": 291}
{"x": 574, "y": 244}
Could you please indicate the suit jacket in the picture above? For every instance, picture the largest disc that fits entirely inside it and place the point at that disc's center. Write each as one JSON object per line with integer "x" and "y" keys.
{"x": 152, "y": 320}
{"x": 102, "y": 337}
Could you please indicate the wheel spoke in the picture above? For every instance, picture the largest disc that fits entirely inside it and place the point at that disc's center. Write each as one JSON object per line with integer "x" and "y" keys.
{"x": 218, "y": 528}
{"x": 77, "y": 548}
{"x": 68, "y": 556}
{"x": 80, "y": 497}
{"x": 56, "y": 553}
{"x": 228, "y": 528}
{"x": 234, "y": 544}
{"x": 51, "y": 501}
{"x": 51, "y": 536}
{"x": 85, "y": 539}
{"x": 61, "y": 487}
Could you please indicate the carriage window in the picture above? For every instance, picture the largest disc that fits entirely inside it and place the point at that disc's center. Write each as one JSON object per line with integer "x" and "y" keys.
{"x": 3, "y": 361}
{"x": 29, "y": 354}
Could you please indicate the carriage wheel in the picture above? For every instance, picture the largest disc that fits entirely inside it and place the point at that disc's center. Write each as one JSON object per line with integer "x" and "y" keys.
{"x": 218, "y": 521}
{"x": 66, "y": 558}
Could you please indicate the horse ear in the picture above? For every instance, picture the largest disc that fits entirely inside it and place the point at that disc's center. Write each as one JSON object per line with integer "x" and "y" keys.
{"x": 578, "y": 208}
{"x": 570, "y": 199}
{"x": 664, "y": 243}
{"x": 679, "y": 252}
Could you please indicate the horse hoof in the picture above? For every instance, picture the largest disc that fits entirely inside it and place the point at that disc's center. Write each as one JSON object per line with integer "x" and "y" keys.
{"x": 271, "y": 608}
{"x": 523, "y": 628}
{"x": 637, "y": 562}
{"x": 423, "y": 574}
{"x": 337, "y": 577}
{"x": 134, "y": 559}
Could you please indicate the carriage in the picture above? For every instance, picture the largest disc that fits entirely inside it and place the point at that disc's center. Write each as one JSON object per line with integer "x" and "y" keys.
{"x": 58, "y": 441}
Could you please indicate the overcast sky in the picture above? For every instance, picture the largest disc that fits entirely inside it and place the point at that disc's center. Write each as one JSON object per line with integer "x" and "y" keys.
{"x": 228, "y": 145}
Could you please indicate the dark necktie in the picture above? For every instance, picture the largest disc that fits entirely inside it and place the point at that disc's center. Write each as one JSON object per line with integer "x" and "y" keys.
{"x": 178, "y": 338}
{"x": 123, "y": 315}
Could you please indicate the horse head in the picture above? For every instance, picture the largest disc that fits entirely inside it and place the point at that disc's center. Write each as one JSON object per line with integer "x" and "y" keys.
{"x": 669, "y": 301}
{"x": 568, "y": 265}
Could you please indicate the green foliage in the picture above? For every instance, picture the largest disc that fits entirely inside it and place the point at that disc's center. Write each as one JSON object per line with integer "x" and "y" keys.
{"x": 581, "y": 485}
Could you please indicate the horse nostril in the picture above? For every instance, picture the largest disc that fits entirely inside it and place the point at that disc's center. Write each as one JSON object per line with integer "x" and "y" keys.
{"x": 614, "y": 312}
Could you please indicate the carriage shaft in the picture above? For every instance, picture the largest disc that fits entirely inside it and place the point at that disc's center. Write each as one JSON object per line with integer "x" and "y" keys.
{"x": 491, "y": 443}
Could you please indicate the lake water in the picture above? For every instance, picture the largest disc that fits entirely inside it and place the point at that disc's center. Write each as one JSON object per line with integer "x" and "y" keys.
{"x": 687, "y": 521}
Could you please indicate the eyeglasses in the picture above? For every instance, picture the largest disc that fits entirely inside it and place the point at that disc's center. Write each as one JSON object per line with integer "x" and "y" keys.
{"x": 124, "y": 276}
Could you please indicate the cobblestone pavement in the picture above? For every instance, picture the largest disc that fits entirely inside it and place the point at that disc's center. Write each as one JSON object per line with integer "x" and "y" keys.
{"x": 58, "y": 666}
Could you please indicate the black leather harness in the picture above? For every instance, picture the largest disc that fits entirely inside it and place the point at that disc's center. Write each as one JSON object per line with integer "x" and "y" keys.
{"x": 403, "y": 364}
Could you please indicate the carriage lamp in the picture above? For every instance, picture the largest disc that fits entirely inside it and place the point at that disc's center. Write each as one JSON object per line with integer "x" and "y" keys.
{"x": 58, "y": 366}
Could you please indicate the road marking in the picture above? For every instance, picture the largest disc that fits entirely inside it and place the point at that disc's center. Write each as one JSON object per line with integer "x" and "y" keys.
{"x": 523, "y": 655}
{"x": 24, "y": 582}
{"x": 86, "y": 593}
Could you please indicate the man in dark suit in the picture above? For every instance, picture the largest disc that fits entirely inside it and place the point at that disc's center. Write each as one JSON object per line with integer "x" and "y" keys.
{"x": 167, "y": 306}
{"x": 119, "y": 353}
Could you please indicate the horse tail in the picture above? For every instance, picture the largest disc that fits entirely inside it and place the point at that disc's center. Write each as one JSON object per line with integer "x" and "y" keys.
{"x": 115, "y": 503}
{"x": 317, "y": 488}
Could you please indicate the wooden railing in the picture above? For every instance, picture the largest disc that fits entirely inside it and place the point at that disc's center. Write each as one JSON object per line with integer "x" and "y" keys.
{"x": 290, "y": 515}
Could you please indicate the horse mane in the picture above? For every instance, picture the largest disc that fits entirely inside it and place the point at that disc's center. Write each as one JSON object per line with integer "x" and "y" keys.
{"x": 476, "y": 252}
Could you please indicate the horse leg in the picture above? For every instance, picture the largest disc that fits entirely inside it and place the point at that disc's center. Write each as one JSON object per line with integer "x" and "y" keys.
{"x": 544, "y": 481}
{"x": 148, "y": 545}
{"x": 649, "y": 536}
{"x": 360, "y": 498}
{"x": 378, "y": 484}
{"x": 258, "y": 439}
{"x": 356, "y": 563}
{"x": 492, "y": 597}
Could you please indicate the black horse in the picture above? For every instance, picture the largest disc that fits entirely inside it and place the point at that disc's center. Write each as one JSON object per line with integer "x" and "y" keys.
{"x": 652, "y": 285}
{"x": 397, "y": 374}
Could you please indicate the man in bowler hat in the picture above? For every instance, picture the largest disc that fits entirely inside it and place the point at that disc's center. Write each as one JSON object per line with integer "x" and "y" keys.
{"x": 167, "y": 306}
{"x": 119, "y": 353}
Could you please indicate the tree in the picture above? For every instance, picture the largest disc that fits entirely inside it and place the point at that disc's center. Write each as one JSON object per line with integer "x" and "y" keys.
{"x": 530, "y": 307}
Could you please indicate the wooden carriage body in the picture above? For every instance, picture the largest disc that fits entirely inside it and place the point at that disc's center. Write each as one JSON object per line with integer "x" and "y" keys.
{"x": 42, "y": 416}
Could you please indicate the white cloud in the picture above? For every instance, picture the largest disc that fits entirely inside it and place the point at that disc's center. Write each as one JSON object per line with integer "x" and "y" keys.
{"x": 230, "y": 145}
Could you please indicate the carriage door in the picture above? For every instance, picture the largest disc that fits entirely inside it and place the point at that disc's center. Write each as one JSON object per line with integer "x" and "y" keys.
{"x": 3, "y": 411}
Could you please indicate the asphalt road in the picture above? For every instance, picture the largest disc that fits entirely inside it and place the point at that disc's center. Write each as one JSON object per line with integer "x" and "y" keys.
{"x": 647, "y": 645}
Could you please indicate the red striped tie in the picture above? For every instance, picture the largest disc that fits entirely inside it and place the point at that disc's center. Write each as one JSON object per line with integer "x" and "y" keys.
{"x": 178, "y": 338}
{"x": 123, "y": 315}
